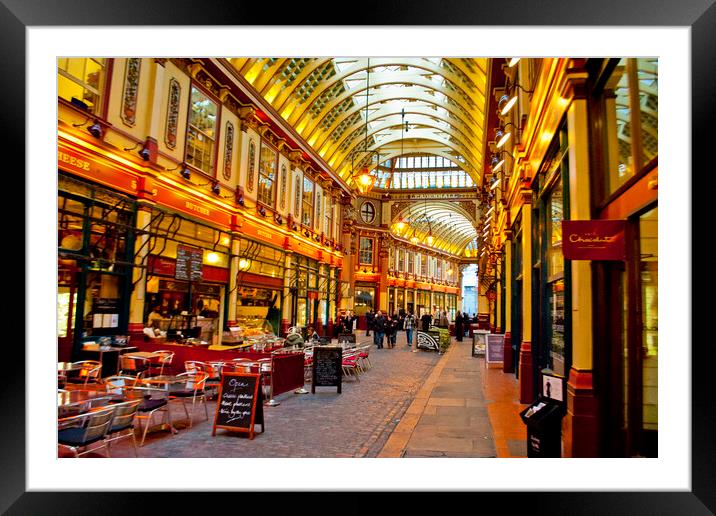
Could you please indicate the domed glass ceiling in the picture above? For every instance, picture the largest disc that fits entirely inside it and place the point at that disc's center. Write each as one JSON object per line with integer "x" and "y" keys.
{"x": 441, "y": 99}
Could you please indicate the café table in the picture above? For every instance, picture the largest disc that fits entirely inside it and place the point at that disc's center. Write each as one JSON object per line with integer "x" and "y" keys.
{"x": 68, "y": 366}
{"x": 79, "y": 401}
{"x": 164, "y": 383}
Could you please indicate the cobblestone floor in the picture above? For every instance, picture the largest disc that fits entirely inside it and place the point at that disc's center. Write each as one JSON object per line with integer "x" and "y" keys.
{"x": 356, "y": 423}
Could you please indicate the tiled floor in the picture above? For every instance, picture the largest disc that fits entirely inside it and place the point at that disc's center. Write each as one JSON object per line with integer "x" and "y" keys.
{"x": 410, "y": 404}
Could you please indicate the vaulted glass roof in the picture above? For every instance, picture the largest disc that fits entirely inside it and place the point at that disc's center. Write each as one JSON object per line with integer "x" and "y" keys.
{"x": 442, "y": 101}
{"x": 451, "y": 226}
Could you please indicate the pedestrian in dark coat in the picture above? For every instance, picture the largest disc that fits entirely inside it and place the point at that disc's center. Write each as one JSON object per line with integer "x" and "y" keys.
{"x": 379, "y": 324}
{"x": 369, "y": 319}
{"x": 459, "y": 331}
{"x": 426, "y": 320}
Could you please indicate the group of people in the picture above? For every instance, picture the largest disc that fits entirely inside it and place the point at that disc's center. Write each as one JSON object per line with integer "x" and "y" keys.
{"x": 386, "y": 327}
{"x": 345, "y": 323}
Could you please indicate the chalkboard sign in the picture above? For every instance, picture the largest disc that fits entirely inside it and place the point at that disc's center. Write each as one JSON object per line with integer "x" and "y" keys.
{"x": 239, "y": 405}
{"x": 189, "y": 263}
{"x": 327, "y": 367}
{"x": 495, "y": 348}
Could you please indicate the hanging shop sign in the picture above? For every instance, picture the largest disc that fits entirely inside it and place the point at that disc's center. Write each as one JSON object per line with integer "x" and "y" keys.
{"x": 593, "y": 240}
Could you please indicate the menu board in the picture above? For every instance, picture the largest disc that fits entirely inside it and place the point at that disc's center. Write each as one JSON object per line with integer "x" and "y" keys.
{"x": 495, "y": 348}
{"x": 239, "y": 405}
{"x": 327, "y": 367}
{"x": 189, "y": 263}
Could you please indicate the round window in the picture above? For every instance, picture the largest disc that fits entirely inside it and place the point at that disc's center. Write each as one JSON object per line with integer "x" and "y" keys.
{"x": 367, "y": 212}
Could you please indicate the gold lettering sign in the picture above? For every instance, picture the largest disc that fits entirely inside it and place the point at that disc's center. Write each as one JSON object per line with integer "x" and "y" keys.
{"x": 591, "y": 238}
{"x": 197, "y": 208}
{"x": 73, "y": 161}
{"x": 264, "y": 234}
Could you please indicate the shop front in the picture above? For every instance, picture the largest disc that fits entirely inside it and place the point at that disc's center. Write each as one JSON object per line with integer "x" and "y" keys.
{"x": 187, "y": 277}
{"x": 95, "y": 242}
{"x": 259, "y": 288}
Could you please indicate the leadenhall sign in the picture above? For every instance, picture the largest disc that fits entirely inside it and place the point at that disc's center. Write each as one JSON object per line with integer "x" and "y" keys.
{"x": 593, "y": 240}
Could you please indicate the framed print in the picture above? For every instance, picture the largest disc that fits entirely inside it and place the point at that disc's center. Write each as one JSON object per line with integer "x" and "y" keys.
{"x": 37, "y": 32}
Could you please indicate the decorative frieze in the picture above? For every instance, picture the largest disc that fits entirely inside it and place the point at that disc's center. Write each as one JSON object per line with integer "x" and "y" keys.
{"x": 228, "y": 149}
{"x": 170, "y": 134}
{"x": 131, "y": 88}
{"x": 251, "y": 166}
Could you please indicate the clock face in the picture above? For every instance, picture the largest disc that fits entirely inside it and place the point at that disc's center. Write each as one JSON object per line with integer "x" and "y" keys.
{"x": 367, "y": 212}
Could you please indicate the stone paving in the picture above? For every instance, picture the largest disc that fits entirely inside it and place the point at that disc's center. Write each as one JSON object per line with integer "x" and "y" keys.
{"x": 356, "y": 423}
{"x": 449, "y": 416}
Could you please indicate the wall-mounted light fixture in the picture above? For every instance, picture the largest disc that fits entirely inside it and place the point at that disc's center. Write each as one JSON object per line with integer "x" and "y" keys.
{"x": 216, "y": 189}
{"x": 144, "y": 152}
{"x": 95, "y": 129}
{"x": 244, "y": 264}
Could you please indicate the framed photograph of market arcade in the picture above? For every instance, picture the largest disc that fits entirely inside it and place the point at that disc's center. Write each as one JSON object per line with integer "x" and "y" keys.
{"x": 218, "y": 215}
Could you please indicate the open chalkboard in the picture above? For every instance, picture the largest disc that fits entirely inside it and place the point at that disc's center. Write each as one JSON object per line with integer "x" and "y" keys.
{"x": 239, "y": 405}
{"x": 327, "y": 367}
{"x": 495, "y": 348}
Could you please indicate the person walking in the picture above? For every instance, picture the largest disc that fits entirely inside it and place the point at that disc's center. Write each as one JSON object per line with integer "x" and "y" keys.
{"x": 379, "y": 324}
{"x": 391, "y": 330}
{"x": 426, "y": 320}
{"x": 409, "y": 325}
{"x": 369, "y": 319}
{"x": 459, "y": 331}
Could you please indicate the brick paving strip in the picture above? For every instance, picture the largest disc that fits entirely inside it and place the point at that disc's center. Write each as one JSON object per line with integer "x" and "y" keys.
{"x": 449, "y": 416}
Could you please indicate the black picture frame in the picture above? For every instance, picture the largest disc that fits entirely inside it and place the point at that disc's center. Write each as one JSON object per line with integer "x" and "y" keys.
{"x": 700, "y": 15}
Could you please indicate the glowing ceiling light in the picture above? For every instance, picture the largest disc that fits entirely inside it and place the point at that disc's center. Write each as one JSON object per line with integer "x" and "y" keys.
{"x": 212, "y": 257}
{"x": 495, "y": 184}
{"x": 510, "y": 102}
{"x": 499, "y": 165}
{"x": 513, "y": 61}
{"x": 503, "y": 137}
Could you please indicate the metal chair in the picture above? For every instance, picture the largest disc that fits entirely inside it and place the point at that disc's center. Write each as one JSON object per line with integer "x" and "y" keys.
{"x": 152, "y": 400}
{"x": 161, "y": 362}
{"x": 194, "y": 389}
{"x": 122, "y": 425}
{"x": 364, "y": 357}
{"x": 89, "y": 370}
{"x": 79, "y": 432}
{"x": 350, "y": 364}
{"x": 133, "y": 365}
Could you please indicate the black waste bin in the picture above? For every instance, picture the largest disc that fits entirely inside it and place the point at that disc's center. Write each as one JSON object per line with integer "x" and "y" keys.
{"x": 544, "y": 427}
